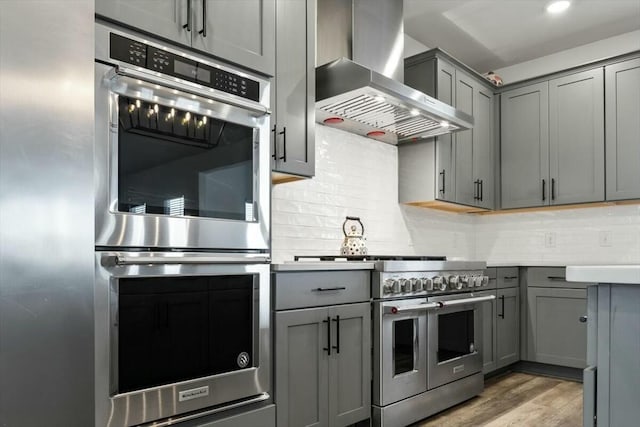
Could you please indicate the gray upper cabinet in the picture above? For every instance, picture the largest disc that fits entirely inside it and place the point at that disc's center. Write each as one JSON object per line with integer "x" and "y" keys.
{"x": 525, "y": 146}
{"x": 168, "y": 19}
{"x": 237, "y": 31}
{"x": 294, "y": 115}
{"x": 622, "y": 92}
{"x": 507, "y": 327}
{"x": 576, "y": 137}
{"x": 464, "y": 171}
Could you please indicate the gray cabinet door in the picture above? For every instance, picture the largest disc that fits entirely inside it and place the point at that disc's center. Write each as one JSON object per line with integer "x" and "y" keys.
{"x": 295, "y": 90}
{"x": 508, "y": 326}
{"x": 576, "y": 137}
{"x": 302, "y": 367}
{"x": 168, "y": 19}
{"x": 483, "y": 143}
{"x": 445, "y": 161}
{"x": 554, "y": 333}
{"x": 238, "y": 31}
{"x": 488, "y": 334}
{"x": 350, "y": 364}
{"x": 525, "y": 146}
{"x": 622, "y": 97}
{"x": 465, "y": 101}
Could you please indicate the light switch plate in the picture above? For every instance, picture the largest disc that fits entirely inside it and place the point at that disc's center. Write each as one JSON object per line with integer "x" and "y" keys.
{"x": 550, "y": 239}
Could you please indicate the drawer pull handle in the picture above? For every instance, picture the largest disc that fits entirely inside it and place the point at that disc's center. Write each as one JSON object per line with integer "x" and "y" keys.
{"x": 556, "y": 278}
{"x": 339, "y": 288}
{"x": 510, "y": 277}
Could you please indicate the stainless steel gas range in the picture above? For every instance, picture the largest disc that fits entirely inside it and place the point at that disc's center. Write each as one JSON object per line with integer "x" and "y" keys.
{"x": 427, "y": 336}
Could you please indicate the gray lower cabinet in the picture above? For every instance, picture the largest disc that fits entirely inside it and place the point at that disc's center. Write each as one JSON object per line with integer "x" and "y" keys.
{"x": 507, "y": 327}
{"x": 555, "y": 334}
{"x": 237, "y": 31}
{"x": 293, "y": 150}
{"x": 576, "y": 138}
{"x": 524, "y": 146}
{"x": 323, "y": 365}
{"x": 622, "y": 109}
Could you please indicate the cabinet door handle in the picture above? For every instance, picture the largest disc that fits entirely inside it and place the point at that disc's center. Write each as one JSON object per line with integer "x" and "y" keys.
{"x": 544, "y": 190}
{"x": 337, "y": 346}
{"x": 481, "y": 190}
{"x": 502, "y": 303}
{"x": 328, "y": 347}
{"x": 583, "y": 319}
{"x": 553, "y": 188}
{"x": 203, "y": 31}
{"x": 188, "y": 24}
{"x": 442, "y": 175}
{"x": 284, "y": 144}
{"x": 275, "y": 143}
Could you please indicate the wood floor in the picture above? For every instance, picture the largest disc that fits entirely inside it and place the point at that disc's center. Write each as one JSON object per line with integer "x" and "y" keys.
{"x": 517, "y": 399}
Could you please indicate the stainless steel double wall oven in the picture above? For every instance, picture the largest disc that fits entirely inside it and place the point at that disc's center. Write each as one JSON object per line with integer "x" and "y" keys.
{"x": 182, "y": 233}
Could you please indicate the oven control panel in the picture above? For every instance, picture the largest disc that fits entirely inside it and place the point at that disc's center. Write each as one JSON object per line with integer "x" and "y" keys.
{"x": 410, "y": 284}
{"x": 162, "y": 61}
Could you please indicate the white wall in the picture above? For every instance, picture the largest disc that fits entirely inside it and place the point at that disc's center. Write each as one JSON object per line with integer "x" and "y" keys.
{"x": 412, "y": 46}
{"x": 357, "y": 176}
{"x": 618, "y": 45}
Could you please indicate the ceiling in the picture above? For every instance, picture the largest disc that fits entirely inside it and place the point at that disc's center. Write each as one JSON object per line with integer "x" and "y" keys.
{"x": 490, "y": 34}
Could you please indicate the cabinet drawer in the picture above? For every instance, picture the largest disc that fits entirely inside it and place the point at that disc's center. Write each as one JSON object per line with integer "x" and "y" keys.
{"x": 507, "y": 277}
{"x": 317, "y": 288}
{"x": 551, "y": 277}
{"x": 491, "y": 272}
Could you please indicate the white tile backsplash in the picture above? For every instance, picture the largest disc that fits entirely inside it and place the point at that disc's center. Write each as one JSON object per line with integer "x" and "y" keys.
{"x": 357, "y": 176}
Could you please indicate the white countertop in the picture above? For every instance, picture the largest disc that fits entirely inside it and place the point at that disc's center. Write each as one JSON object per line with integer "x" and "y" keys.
{"x": 626, "y": 274}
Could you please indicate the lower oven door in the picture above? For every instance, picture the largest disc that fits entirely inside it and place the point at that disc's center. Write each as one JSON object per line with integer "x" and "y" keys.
{"x": 178, "y": 333}
{"x": 454, "y": 338}
{"x": 400, "y": 362}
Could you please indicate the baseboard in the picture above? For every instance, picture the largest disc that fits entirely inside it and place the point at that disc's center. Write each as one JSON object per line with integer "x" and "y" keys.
{"x": 572, "y": 374}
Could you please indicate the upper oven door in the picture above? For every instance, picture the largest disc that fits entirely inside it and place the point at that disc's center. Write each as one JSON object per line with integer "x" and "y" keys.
{"x": 178, "y": 166}
{"x": 400, "y": 357}
{"x": 454, "y": 338}
{"x": 176, "y": 333}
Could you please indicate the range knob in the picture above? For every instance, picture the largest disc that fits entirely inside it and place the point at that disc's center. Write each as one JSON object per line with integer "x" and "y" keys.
{"x": 389, "y": 286}
{"x": 478, "y": 281}
{"x": 416, "y": 285}
{"x": 427, "y": 283}
{"x": 465, "y": 282}
{"x": 484, "y": 281}
{"x": 439, "y": 283}
{"x": 454, "y": 282}
{"x": 405, "y": 285}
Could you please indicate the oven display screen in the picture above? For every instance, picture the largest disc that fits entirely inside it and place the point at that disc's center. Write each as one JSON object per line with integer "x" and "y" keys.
{"x": 203, "y": 75}
{"x": 184, "y": 69}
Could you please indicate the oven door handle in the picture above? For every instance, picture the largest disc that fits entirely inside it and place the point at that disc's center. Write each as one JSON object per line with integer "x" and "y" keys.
{"x": 392, "y": 309}
{"x": 121, "y": 260}
{"x": 471, "y": 300}
{"x": 193, "y": 88}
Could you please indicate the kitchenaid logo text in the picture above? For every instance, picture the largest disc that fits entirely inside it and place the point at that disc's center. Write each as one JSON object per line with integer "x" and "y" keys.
{"x": 193, "y": 393}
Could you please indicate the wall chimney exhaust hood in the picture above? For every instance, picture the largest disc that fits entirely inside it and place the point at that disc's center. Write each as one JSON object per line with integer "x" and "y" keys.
{"x": 362, "y": 91}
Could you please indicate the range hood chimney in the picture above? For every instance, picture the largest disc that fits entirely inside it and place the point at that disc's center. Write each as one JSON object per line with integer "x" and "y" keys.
{"x": 359, "y": 88}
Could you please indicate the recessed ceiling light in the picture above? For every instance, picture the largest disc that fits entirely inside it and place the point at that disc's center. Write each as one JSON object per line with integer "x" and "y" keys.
{"x": 558, "y": 6}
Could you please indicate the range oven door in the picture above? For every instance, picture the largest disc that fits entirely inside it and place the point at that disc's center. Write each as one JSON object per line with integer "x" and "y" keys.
{"x": 178, "y": 333}
{"x": 400, "y": 356}
{"x": 454, "y": 338}
{"x": 177, "y": 165}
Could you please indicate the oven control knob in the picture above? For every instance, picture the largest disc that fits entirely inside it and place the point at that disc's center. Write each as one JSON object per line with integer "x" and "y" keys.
{"x": 465, "y": 282}
{"x": 416, "y": 285}
{"x": 484, "y": 280}
{"x": 454, "y": 282}
{"x": 427, "y": 284}
{"x": 439, "y": 284}
{"x": 405, "y": 285}
{"x": 478, "y": 281}
{"x": 388, "y": 286}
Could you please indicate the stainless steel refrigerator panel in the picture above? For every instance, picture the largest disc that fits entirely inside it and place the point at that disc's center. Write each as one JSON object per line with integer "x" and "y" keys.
{"x": 46, "y": 213}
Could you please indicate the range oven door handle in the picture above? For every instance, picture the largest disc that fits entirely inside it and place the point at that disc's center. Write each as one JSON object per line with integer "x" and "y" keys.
{"x": 471, "y": 300}
{"x": 121, "y": 260}
{"x": 392, "y": 309}
{"x": 193, "y": 88}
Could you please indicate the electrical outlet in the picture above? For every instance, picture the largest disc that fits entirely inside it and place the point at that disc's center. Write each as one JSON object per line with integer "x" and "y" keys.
{"x": 550, "y": 240}
{"x": 605, "y": 239}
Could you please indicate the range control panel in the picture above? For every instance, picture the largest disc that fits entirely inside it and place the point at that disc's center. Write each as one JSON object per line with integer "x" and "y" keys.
{"x": 410, "y": 284}
{"x": 159, "y": 60}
